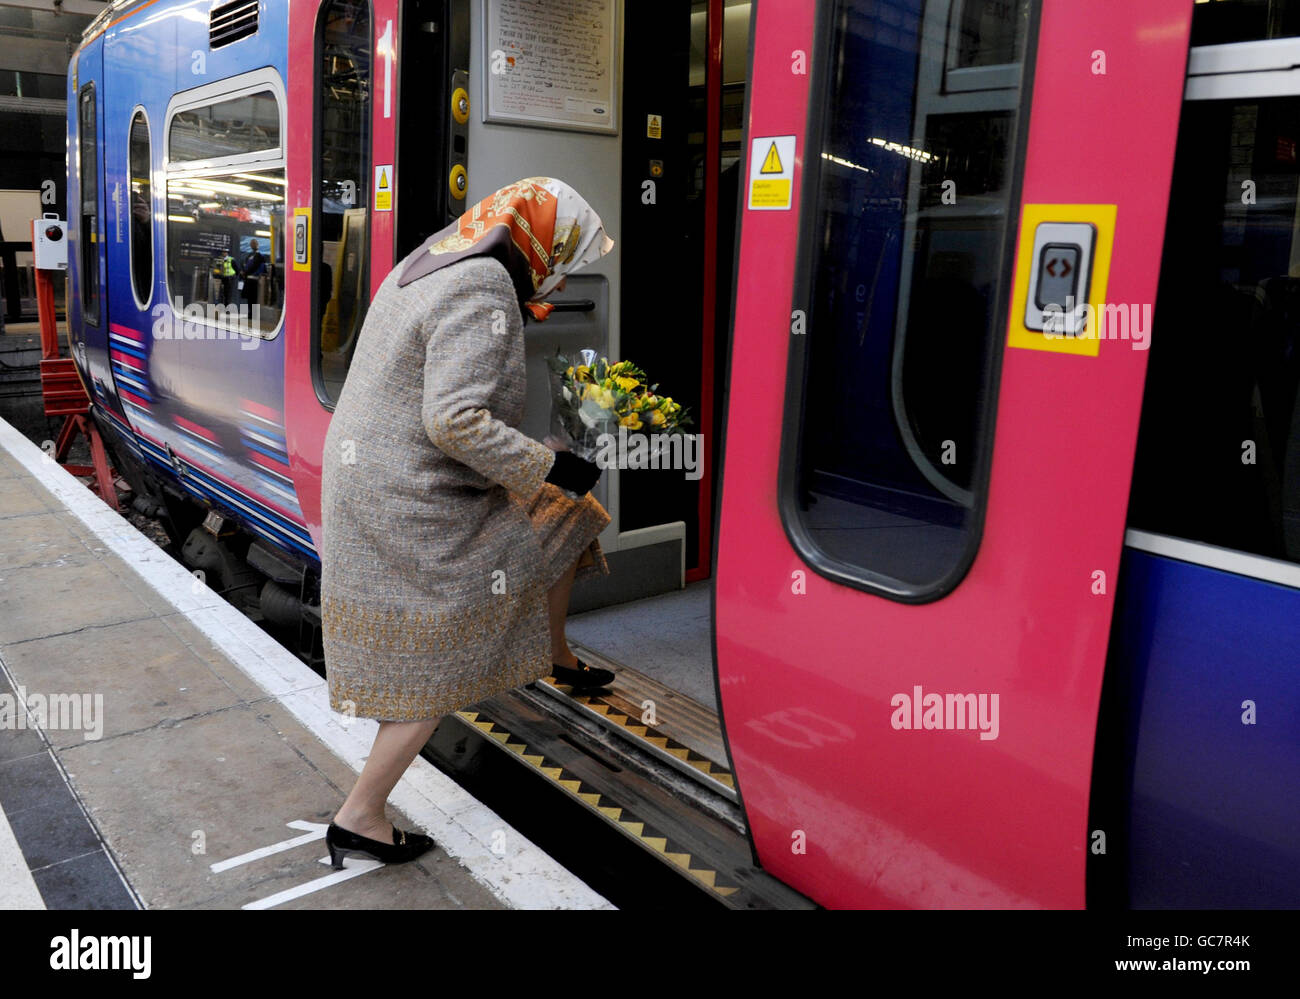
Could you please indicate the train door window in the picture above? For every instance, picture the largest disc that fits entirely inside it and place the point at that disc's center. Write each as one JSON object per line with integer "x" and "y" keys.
{"x": 341, "y": 188}
{"x": 141, "y": 195}
{"x": 1226, "y": 21}
{"x": 225, "y": 205}
{"x": 1219, "y": 445}
{"x": 904, "y": 277}
{"x": 88, "y": 178}
{"x": 234, "y": 126}
{"x": 986, "y": 40}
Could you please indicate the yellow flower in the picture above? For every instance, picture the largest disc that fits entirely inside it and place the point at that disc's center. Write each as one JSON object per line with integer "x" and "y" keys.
{"x": 604, "y": 397}
{"x": 625, "y": 383}
{"x": 583, "y": 373}
{"x": 570, "y": 371}
{"x": 632, "y": 421}
{"x": 657, "y": 419}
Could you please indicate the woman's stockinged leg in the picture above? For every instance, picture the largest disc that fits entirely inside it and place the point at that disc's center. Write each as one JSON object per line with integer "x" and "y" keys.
{"x": 558, "y": 603}
{"x": 395, "y": 747}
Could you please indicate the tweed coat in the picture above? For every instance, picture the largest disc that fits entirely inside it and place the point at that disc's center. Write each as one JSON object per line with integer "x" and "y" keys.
{"x": 440, "y": 536}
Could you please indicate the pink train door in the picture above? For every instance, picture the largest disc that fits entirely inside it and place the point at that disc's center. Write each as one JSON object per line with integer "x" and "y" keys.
{"x": 932, "y": 416}
{"x": 376, "y": 94}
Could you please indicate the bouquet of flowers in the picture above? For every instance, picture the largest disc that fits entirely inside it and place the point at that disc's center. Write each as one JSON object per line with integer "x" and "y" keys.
{"x": 592, "y": 396}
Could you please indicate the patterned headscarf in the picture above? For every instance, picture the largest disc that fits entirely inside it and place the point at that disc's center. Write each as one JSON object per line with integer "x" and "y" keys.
{"x": 539, "y": 228}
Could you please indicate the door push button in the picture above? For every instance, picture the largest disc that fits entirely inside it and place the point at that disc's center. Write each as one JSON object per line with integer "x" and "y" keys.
{"x": 1061, "y": 278}
{"x": 1058, "y": 275}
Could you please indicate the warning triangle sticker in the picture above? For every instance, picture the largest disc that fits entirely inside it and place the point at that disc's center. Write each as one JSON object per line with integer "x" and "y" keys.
{"x": 383, "y": 179}
{"x": 772, "y": 164}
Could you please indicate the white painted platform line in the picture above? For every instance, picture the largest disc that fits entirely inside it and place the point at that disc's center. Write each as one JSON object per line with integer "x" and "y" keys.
{"x": 315, "y": 831}
{"x": 522, "y": 876}
{"x": 17, "y": 887}
{"x": 351, "y": 869}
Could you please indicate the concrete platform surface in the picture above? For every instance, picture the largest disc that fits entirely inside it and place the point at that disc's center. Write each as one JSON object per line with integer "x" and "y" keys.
{"x": 160, "y": 751}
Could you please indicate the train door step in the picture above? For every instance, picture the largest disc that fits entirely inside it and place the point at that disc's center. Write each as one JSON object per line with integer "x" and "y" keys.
{"x": 680, "y": 841}
{"x": 672, "y": 727}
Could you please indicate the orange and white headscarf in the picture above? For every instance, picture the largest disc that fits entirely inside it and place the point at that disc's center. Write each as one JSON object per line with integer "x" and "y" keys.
{"x": 541, "y": 229}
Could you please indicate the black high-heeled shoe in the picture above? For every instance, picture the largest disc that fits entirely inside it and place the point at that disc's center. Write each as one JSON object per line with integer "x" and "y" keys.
{"x": 406, "y": 846}
{"x": 582, "y": 676}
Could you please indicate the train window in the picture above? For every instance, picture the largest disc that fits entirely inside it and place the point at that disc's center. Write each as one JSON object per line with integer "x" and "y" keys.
{"x": 342, "y": 188}
{"x": 989, "y": 32}
{"x": 225, "y": 204}
{"x": 141, "y": 230}
{"x": 1225, "y": 21}
{"x": 903, "y": 279}
{"x": 225, "y": 247}
{"x": 1219, "y": 446}
{"x": 88, "y": 178}
{"x": 248, "y": 123}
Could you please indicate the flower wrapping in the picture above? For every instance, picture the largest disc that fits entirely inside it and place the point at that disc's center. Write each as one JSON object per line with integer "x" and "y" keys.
{"x": 592, "y": 397}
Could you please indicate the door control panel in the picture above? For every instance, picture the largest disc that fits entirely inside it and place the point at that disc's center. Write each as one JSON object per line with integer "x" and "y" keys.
{"x": 1061, "y": 278}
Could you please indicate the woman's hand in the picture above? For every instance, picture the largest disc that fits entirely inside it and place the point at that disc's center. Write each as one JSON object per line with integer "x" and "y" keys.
{"x": 554, "y": 443}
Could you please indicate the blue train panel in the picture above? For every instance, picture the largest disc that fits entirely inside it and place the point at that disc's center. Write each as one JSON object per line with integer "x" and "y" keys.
{"x": 1209, "y": 668}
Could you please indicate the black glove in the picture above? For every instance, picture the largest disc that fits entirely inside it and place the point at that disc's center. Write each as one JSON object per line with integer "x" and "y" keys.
{"x": 573, "y": 473}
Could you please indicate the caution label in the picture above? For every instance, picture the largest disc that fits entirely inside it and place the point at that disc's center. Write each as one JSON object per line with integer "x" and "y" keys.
{"x": 771, "y": 173}
{"x": 384, "y": 188}
{"x": 654, "y": 126}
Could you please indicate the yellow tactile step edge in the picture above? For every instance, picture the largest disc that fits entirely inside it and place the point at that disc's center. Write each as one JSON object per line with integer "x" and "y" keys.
{"x": 616, "y": 814}
{"x": 706, "y": 766}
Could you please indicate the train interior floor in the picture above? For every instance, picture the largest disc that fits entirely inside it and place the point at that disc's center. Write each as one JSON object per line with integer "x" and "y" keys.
{"x": 192, "y": 762}
{"x": 666, "y": 637}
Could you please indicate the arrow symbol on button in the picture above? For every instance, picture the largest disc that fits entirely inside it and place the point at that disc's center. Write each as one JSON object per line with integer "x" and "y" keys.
{"x": 1066, "y": 269}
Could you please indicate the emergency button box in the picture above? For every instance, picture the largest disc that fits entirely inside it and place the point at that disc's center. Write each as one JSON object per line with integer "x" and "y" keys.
{"x": 50, "y": 243}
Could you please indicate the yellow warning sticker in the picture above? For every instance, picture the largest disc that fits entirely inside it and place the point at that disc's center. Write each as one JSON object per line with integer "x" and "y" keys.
{"x": 384, "y": 188}
{"x": 772, "y": 161}
{"x": 654, "y": 126}
{"x": 771, "y": 173}
{"x": 769, "y": 194}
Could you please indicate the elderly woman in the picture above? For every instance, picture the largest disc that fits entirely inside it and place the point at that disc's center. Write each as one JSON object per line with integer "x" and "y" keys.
{"x": 449, "y": 543}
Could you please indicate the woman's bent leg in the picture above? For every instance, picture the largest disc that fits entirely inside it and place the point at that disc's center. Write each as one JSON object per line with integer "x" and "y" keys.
{"x": 395, "y": 747}
{"x": 558, "y": 602}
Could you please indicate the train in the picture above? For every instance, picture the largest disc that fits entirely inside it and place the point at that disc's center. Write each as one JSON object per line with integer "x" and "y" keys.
{"x": 999, "y": 358}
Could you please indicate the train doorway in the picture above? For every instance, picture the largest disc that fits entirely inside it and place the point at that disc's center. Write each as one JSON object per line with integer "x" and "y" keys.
{"x": 683, "y": 119}
{"x": 651, "y": 759}
{"x": 683, "y": 103}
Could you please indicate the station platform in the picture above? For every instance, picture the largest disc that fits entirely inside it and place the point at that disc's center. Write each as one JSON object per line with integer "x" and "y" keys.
{"x": 160, "y": 751}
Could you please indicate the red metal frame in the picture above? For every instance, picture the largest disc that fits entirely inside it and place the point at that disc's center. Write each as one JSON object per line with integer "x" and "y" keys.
{"x": 63, "y": 394}
{"x": 712, "y": 162}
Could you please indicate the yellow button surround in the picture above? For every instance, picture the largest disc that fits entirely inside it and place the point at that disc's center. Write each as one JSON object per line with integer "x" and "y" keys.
{"x": 458, "y": 182}
{"x": 460, "y": 105}
{"x": 1103, "y": 218}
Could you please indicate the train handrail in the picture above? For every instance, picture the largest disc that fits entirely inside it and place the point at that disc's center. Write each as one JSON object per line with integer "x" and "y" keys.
{"x": 574, "y": 305}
